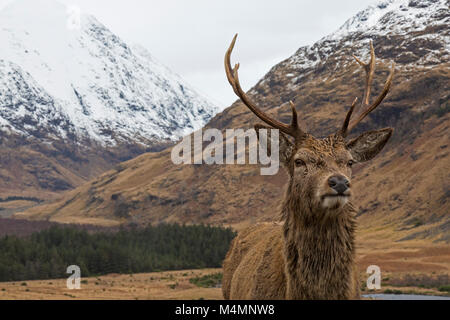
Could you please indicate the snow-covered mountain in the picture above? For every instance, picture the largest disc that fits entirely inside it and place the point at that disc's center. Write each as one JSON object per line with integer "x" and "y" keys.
{"x": 396, "y": 17}
{"x": 64, "y": 78}
{"x": 416, "y": 33}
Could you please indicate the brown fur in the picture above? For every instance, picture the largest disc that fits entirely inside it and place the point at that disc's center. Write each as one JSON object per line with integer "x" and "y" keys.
{"x": 311, "y": 254}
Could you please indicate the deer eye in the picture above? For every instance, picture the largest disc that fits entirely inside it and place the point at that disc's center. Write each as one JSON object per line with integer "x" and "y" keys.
{"x": 350, "y": 163}
{"x": 299, "y": 162}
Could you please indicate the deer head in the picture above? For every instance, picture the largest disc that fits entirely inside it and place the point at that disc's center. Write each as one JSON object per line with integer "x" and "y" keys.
{"x": 320, "y": 169}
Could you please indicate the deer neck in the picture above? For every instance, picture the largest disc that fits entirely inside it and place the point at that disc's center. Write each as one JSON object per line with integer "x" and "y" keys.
{"x": 319, "y": 251}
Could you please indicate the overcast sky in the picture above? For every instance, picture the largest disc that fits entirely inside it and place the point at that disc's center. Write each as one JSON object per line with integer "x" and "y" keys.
{"x": 191, "y": 36}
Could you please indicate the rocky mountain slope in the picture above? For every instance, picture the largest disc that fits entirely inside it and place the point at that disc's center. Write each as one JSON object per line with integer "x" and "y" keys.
{"x": 75, "y": 99}
{"x": 402, "y": 194}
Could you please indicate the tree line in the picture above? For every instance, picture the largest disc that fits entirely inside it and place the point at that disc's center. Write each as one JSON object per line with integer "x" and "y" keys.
{"x": 47, "y": 254}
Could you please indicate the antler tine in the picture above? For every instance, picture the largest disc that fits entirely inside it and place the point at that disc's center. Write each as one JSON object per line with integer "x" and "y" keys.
{"x": 378, "y": 100}
{"x": 294, "y": 120}
{"x": 369, "y": 68}
{"x": 233, "y": 78}
{"x": 228, "y": 70}
{"x": 344, "y": 128}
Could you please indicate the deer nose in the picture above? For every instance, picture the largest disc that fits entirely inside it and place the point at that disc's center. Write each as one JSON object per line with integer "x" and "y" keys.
{"x": 339, "y": 183}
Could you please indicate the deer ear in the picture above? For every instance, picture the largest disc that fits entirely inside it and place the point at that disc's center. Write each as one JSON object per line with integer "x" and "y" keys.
{"x": 286, "y": 146}
{"x": 368, "y": 144}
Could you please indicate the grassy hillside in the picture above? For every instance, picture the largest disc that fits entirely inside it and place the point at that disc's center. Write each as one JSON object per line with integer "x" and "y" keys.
{"x": 405, "y": 189}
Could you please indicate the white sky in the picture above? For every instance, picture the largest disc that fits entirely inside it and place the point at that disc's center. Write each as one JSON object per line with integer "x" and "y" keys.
{"x": 191, "y": 36}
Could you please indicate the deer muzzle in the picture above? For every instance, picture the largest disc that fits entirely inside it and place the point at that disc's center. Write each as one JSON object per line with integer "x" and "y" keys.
{"x": 337, "y": 191}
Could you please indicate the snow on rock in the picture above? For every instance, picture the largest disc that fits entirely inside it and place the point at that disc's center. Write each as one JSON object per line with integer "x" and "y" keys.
{"x": 86, "y": 83}
{"x": 411, "y": 32}
{"x": 396, "y": 16}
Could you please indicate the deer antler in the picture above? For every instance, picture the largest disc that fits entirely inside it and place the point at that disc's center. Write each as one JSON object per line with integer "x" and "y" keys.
{"x": 233, "y": 78}
{"x": 369, "y": 68}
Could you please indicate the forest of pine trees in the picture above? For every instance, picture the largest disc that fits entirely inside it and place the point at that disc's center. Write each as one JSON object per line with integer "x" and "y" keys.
{"x": 48, "y": 253}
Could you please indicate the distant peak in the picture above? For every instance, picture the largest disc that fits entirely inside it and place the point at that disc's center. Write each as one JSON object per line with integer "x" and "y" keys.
{"x": 393, "y": 11}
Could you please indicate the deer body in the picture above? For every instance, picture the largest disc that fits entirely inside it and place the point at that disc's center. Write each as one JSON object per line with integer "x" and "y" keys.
{"x": 311, "y": 254}
{"x": 252, "y": 275}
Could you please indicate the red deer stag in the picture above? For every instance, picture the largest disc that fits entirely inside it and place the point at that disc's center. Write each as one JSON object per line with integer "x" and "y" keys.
{"x": 311, "y": 255}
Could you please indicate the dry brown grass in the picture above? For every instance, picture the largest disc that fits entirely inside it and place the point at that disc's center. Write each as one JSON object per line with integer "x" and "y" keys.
{"x": 143, "y": 286}
{"x": 427, "y": 263}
